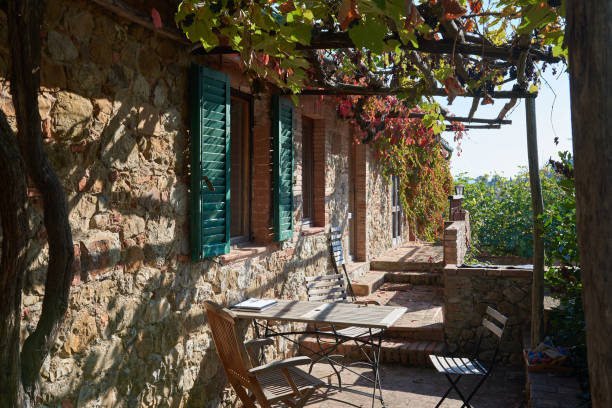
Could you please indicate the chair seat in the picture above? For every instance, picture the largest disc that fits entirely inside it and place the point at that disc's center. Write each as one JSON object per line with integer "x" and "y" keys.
{"x": 457, "y": 365}
{"x": 275, "y": 385}
{"x": 353, "y": 332}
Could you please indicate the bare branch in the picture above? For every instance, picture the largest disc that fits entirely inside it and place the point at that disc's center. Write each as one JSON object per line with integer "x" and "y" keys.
{"x": 14, "y": 224}
{"x": 422, "y": 65}
{"x": 520, "y": 79}
{"x": 474, "y": 107}
{"x": 24, "y": 22}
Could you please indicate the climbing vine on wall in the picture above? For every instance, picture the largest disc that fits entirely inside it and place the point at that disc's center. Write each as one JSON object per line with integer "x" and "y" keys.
{"x": 410, "y": 148}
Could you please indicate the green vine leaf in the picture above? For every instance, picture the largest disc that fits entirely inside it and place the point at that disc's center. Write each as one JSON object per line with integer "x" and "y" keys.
{"x": 369, "y": 35}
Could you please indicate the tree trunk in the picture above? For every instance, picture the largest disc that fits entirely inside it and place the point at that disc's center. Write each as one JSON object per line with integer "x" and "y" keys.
{"x": 12, "y": 264}
{"x": 537, "y": 205}
{"x": 589, "y": 39}
{"x": 24, "y": 28}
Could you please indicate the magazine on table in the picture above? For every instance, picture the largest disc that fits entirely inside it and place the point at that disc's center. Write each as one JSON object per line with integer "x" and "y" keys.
{"x": 255, "y": 304}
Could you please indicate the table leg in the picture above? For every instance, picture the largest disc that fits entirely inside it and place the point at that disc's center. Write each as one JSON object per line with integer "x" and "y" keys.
{"x": 376, "y": 368}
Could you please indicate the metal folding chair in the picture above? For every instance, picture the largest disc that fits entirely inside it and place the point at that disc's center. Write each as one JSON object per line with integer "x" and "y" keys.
{"x": 337, "y": 288}
{"x": 460, "y": 367}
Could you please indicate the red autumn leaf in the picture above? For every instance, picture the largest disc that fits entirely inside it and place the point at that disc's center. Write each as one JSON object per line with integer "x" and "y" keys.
{"x": 487, "y": 100}
{"x": 266, "y": 59}
{"x": 287, "y": 7}
{"x": 453, "y": 9}
{"x": 475, "y": 6}
{"x": 345, "y": 108}
{"x": 453, "y": 88}
{"x": 414, "y": 17}
{"x": 348, "y": 13}
{"x": 469, "y": 27}
{"x": 156, "y": 18}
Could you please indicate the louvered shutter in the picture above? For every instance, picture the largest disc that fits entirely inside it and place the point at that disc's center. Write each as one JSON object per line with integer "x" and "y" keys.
{"x": 210, "y": 163}
{"x": 283, "y": 168}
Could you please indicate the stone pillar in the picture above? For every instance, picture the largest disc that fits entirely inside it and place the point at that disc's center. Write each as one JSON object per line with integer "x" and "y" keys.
{"x": 456, "y": 213}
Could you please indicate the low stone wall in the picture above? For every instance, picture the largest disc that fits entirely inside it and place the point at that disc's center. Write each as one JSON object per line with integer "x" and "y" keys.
{"x": 457, "y": 237}
{"x": 504, "y": 260}
{"x": 468, "y": 292}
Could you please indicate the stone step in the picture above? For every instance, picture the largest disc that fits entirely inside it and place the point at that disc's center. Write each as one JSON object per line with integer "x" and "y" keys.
{"x": 356, "y": 270}
{"x": 401, "y": 266}
{"x": 423, "y": 319}
{"x": 433, "y": 332}
{"x": 368, "y": 283}
{"x": 408, "y": 352}
{"x": 415, "y": 278}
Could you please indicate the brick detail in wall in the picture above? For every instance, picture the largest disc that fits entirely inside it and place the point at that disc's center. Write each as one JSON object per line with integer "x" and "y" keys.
{"x": 321, "y": 216}
{"x": 360, "y": 216}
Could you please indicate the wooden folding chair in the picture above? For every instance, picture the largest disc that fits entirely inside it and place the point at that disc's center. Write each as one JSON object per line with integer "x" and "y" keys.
{"x": 279, "y": 381}
{"x": 471, "y": 366}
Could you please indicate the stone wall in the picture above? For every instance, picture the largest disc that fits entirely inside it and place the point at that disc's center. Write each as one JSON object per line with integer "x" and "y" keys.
{"x": 114, "y": 105}
{"x": 457, "y": 236}
{"x": 467, "y": 293}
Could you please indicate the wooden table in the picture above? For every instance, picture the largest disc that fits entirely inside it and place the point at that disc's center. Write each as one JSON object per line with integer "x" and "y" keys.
{"x": 341, "y": 314}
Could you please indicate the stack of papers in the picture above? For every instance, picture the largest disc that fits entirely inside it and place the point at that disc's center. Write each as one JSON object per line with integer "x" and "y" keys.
{"x": 255, "y": 304}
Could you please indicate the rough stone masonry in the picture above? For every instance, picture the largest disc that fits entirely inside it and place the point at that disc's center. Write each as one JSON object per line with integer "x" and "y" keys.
{"x": 114, "y": 105}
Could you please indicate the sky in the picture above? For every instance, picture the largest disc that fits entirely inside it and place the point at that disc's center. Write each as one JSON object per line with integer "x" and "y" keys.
{"x": 504, "y": 151}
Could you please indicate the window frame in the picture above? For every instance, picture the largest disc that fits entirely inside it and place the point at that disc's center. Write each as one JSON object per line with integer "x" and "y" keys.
{"x": 247, "y": 189}
{"x": 308, "y": 221}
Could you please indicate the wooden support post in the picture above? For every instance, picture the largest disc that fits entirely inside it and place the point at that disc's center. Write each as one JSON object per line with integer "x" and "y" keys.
{"x": 537, "y": 291}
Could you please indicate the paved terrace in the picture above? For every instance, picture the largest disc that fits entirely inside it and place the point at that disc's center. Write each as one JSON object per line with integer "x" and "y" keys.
{"x": 409, "y": 387}
{"x": 411, "y": 257}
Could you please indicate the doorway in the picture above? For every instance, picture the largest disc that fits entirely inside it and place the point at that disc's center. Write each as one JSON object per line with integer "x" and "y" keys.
{"x": 396, "y": 212}
{"x": 351, "y": 210}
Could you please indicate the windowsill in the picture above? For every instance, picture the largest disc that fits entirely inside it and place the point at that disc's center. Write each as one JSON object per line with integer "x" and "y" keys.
{"x": 307, "y": 231}
{"x": 243, "y": 251}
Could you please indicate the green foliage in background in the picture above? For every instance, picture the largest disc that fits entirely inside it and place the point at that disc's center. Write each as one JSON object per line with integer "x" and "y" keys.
{"x": 501, "y": 221}
{"x": 501, "y": 217}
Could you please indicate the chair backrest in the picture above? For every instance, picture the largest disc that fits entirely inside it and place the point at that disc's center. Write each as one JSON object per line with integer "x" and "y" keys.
{"x": 337, "y": 252}
{"x": 326, "y": 288}
{"x": 335, "y": 242}
{"x": 495, "y": 323}
{"x": 231, "y": 350}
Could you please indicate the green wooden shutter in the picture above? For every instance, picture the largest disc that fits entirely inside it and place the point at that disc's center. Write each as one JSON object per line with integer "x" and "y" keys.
{"x": 283, "y": 168}
{"x": 210, "y": 163}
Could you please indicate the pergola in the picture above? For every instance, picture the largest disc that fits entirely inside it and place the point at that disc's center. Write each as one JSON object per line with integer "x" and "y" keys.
{"x": 462, "y": 47}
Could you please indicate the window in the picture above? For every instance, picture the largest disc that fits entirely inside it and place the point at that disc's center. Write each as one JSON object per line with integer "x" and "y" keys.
{"x": 239, "y": 171}
{"x": 307, "y": 169}
{"x": 282, "y": 168}
{"x": 221, "y": 187}
{"x": 210, "y": 163}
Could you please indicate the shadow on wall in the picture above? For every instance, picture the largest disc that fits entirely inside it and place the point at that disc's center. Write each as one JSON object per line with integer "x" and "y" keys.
{"x": 113, "y": 103}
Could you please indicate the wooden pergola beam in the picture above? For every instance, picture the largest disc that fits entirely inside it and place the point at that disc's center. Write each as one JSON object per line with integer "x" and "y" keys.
{"x": 329, "y": 41}
{"x": 362, "y": 90}
{"x": 466, "y": 120}
{"x": 124, "y": 10}
{"x": 497, "y": 126}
